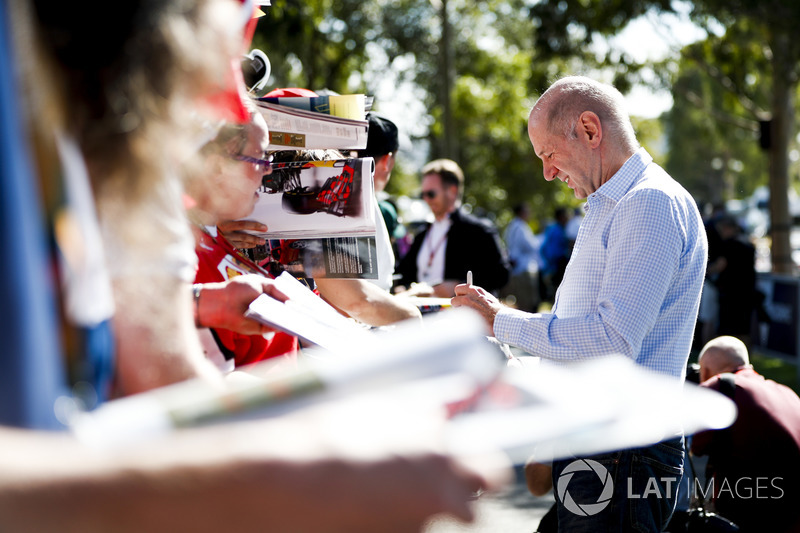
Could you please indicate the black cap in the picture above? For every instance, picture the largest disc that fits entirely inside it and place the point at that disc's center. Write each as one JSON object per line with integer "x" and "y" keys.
{"x": 382, "y": 137}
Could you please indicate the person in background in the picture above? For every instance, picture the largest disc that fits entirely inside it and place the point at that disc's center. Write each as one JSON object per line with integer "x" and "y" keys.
{"x": 383, "y": 142}
{"x": 754, "y": 465}
{"x": 734, "y": 271}
{"x": 708, "y": 316}
{"x": 573, "y": 226}
{"x": 364, "y": 300}
{"x": 555, "y": 252}
{"x": 455, "y": 243}
{"x": 523, "y": 255}
{"x": 632, "y": 286}
{"x": 368, "y": 301}
{"x": 227, "y": 189}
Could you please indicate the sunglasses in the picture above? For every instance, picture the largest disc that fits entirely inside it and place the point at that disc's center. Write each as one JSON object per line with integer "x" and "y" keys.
{"x": 428, "y": 194}
{"x": 261, "y": 165}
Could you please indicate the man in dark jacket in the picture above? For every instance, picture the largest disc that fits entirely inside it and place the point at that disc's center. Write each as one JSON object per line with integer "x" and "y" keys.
{"x": 455, "y": 243}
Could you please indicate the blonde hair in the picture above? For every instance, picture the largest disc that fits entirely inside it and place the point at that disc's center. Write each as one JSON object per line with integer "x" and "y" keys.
{"x": 127, "y": 92}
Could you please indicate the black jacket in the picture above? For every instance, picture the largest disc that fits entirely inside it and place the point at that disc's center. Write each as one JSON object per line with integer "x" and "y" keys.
{"x": 472, "y": 244}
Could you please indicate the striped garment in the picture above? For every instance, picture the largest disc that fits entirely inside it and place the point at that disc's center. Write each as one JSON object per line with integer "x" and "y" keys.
{"x": 633, "y": 282}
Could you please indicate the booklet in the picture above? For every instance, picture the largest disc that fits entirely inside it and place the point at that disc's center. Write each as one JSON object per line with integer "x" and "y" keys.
{"x": 297, "y": 129}
{"x": 352, "y": 106}
{"x": 306, "y": 316}
{"x": 316, "y": 199}
{"x": 443, "y": 357}
{"x": 321, "y": 217}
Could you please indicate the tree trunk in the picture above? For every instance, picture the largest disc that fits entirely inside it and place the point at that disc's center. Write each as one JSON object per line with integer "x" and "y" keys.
{"x": 780, "y": 133}
{"x": 448, "y": 143}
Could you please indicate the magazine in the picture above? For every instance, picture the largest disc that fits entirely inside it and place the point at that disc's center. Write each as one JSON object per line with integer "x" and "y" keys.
{"x": 394, "y": 378}
{"x": 332, "y": 257}
{"x": 315, "y": 199}
{"x": 447, "y": 358}
{"x": 307, "y": 316}
{"x": 353, "y": 106}
{"x": 297, "y": 129}
{"x": 321, "y": 217}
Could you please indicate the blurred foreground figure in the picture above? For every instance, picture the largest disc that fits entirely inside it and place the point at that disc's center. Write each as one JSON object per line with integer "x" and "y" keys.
{"x": 116, "y": 94}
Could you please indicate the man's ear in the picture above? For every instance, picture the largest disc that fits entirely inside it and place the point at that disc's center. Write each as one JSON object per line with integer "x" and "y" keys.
{"x": 590, "y": 128}
{"x": 385, "y": 162}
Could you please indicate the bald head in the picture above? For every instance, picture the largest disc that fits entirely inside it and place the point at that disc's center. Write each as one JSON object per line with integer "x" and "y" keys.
{"x": 561, "y": 105}
{"x": 723, "y": 354}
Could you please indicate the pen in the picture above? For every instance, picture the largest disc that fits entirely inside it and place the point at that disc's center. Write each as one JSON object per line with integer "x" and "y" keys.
{"x": 469, "y": 277}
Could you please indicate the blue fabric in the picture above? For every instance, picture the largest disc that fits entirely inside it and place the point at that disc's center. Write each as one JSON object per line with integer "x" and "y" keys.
{"x": 630, "y": 490}
{"x": 633, "y": 283}
{"x": 31, "y": 369}
{"x": 99, "y": 353}
{"x": 522, "y": 246}
{"x": 555, "y": 247}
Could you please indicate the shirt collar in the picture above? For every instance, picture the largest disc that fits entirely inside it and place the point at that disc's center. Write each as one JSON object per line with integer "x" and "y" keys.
{"x": 624, "y": 178}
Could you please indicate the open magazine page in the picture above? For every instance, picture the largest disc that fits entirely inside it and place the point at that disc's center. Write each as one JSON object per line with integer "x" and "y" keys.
{"x": 307, "y": 316}
{"x": 441, "y": 365}
{"x": 316, "y": 199}
{"x": 422, "y": 364}
{"x": 298, "y": 129}
{"x": 553, "y": 412}
{"x": 333, "y": 257}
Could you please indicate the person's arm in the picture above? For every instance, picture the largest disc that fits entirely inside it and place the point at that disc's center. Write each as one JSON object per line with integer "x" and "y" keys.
{"x": 702, "y": 442}
{"x": 276, "y": 475}
{"x": 156, "y": 340}
{"x": 445, "y": 289}
{"x": 223, "y": 304}
{"x": 480, "y": 300}
{"x": 236, "y": 231}
{"x": 538, "y": 478}
{"x": 366, "y": 302}
{"x": 641, "y": 254}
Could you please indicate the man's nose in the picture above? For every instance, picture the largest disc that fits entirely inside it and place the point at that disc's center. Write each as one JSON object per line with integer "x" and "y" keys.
{"x": 550, "y": 172}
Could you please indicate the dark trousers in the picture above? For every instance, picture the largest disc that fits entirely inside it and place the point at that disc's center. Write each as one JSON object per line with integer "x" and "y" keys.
{"x": 627, "y": 490}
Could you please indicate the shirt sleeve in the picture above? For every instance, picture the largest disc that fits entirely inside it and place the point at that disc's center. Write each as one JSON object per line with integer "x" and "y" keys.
{"x": 641, "y": 249}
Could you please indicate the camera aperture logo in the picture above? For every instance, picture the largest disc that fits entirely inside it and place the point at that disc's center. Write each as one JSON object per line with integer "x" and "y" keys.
{"x": 585, "y": 509}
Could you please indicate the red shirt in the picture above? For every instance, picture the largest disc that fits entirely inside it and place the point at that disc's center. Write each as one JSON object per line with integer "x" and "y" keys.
{"x": 755, "y": 463}
{"x": 218, "y": 261}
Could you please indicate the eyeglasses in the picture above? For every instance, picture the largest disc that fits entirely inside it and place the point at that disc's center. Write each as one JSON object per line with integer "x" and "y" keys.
{"x": 260, "y": 165}
{"x": 428, "y": 194}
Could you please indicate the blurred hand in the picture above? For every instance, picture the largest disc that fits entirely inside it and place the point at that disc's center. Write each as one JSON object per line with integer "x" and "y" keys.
{"x": 236, "y": 232}
{"x": 222, "y": 305}
{"x": 478, "y": 299}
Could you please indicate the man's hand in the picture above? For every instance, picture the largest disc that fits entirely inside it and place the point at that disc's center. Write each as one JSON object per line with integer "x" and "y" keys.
{"x": 478, "y": 299}
{"x": 236, "y": 232}
{"x": 222, "y": 305}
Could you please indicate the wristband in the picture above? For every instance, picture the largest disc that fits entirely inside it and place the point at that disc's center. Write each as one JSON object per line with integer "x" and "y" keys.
{"x": 197, "y": 288}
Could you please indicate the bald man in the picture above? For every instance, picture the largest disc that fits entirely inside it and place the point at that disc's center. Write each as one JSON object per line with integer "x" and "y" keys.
{"x": 632, "y": 287}
{"x": 753, "y": 466}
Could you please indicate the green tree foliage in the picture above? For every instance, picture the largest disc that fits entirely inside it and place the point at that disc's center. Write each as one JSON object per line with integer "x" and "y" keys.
{"x": 503, "y": 53}
{"x": 315, "y": 44}
{"x": 565, "y": 27}
{"x": 328, "y": 44}
{"x": 719, "y": 94}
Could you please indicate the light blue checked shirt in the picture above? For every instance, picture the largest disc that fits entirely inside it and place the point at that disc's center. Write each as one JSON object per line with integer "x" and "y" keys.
{"x": 632, "y": 286}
